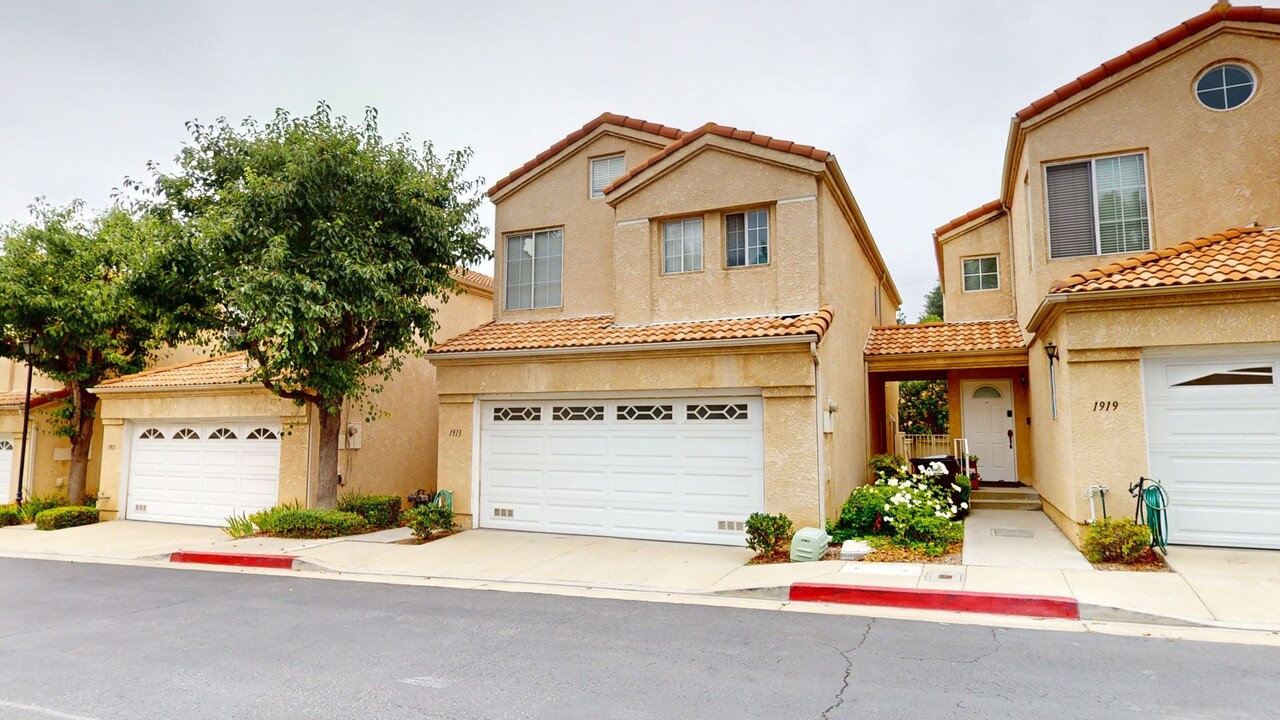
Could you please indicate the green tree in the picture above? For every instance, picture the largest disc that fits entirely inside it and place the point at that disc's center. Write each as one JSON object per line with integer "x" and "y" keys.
{"x": 65, "y": 285}
{"x": 313, "y": 244}
{"x": 933, "y": 305}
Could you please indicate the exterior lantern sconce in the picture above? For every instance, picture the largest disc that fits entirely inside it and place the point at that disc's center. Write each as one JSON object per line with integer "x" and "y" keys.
{"x": 1051, "y": 351}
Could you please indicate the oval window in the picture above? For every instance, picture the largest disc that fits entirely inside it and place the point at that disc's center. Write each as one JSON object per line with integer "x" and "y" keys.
{"x": 986, "y": 391}
{"x": 1225, "y": 87}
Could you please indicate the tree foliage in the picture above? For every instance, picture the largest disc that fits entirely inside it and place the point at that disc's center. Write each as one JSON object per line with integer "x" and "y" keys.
{"x": 66, "y": 285}
{"x": 922, "y": 404}
{"x": 313, "y": 245}
{"x": 933, "y": 304}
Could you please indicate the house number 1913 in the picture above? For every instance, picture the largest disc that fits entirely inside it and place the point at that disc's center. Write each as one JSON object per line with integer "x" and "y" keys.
{"x": 1105, "y": 405}
{"x": 455, "y": 433}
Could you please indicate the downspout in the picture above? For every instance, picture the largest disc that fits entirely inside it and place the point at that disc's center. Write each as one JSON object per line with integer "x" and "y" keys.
{"x": 818, "y": 426}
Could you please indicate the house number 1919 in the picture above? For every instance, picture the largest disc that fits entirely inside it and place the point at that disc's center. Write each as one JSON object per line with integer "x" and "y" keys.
{"x": 1105, "y": 405}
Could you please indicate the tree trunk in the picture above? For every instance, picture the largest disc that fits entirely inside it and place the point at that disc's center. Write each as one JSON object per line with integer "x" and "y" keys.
{"x": 81, "y": 442}
{"x": 327, "y": 471}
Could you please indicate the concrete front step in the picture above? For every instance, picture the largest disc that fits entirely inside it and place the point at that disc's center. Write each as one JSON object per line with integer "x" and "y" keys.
{"x": 1002, "y": 498}
{"x": 1005, "y": 504}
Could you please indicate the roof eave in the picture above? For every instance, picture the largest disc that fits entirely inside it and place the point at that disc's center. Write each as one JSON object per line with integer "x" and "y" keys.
{"x": 203, "y": 388}
{"x": 1054, "y": 301}
{"x": 434, "y": 355}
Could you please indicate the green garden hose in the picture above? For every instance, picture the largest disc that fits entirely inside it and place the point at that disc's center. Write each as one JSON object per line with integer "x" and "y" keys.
{"x": 1150, "y": 510}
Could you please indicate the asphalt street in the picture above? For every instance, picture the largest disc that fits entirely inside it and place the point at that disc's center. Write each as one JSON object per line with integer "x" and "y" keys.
{"x": 82, "y": 641}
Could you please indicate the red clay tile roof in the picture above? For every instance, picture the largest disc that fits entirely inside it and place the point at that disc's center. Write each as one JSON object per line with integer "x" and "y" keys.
{"x": 1235, "y": 255}
{"x": 14, "y": 400}
{"x": 944, "y": 337}
{"x": 968, "y": 217}
{"x": 1222, "y": 12}
{"x": 474, "y": 278}
{"x": 599, "y": 331}
{"x": 222, "y": 370}
{"x": 607, "y": 118}
{"x": 724, "y": 131}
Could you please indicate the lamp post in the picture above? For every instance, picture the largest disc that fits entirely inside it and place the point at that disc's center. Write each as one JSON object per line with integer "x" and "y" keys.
{"x": 1051, "y": 351}
{"x": 28, "y": 349}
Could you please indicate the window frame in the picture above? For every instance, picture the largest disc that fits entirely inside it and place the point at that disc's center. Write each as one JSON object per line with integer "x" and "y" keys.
{"x": 702, "y": 236}
{"x": 1093, "y": 196}
{"x": 964, "y": 275}
{"x": 506, "y": 276}
{"x": 591, "y": 173}
{"x": 1250, "y": 70}
{"x": 768, "y": 239}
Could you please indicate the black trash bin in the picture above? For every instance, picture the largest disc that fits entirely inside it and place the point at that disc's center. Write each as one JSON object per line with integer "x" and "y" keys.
{"x": 950, "y": 462}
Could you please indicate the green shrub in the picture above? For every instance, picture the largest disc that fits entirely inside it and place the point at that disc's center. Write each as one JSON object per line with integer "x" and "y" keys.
{"x": 380, "y": 511}
{"x": 10, "y": 515}
{"x": 312, "y": 524}
{"x": 428, "y": 518}
{"x": 861, "y": 514}
{"x": 766, "y": 534}
{"x": 239, "y": 526}
{"x": 920, "y": 528}
{"x": 887, "y": 466}
{"x": 264, "y": 520}
{"x": 64, "y": 517}
{"x": 36, "y": 504}
{"x": 1116, "y": 540}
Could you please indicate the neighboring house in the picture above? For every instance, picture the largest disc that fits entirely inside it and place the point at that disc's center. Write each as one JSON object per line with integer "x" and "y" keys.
{"x": 1135, "y": 242}
{"x": 676, "y": 336}
{"x": 192, "y": 443}
{"x": 48, "y": 455}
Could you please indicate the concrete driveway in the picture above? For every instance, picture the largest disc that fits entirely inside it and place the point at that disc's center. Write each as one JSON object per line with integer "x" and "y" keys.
{"x": 509, "y": 556}
{"x": 114, "y": 540}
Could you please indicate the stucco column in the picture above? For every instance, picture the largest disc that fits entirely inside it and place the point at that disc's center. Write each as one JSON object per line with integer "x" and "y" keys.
{"x": 112, "y": 468}
{"x": 791, "y": 482}
{"x": 457, "y": 442}
{"x": 295, "y": 470}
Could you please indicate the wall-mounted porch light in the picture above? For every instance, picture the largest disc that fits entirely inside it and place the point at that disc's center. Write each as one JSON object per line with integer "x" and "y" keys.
{"x": 1051, "y": 351}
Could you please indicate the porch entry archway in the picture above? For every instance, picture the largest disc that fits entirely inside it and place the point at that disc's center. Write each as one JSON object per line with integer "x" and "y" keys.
{"x": 987, "y": 417}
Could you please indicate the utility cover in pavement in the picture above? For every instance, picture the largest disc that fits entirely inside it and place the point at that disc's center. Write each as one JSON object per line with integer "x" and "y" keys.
{"x": 947, "y": 576}
{"x": 1012, "y": 532}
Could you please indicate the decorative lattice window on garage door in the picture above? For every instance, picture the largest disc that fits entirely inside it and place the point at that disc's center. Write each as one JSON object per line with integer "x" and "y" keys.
{"x": 151, "y": 434}
{"x": 644, "y": 412}
{"x": 517, "y": 414}
{"x": 6, "y": 445}
{"x": 577, "y": 412}
{"x": 717, "y": 411}
{"x": 262, "y": 434}
{"x": 186, "y": 434}
{"x": 222, "y": 434}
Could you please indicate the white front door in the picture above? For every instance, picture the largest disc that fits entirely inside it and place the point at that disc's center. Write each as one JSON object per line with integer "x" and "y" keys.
{"x": 200, "y": 473}
{"x": 676, "y": 468}
{"x": 1213, "y": 441}
{"x": 6, "y": 468}
{"x": 988, "y": 425}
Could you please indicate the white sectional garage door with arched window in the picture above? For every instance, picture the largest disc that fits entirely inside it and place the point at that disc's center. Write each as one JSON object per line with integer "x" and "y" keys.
{"x": 201, "y": 472}
{"x": 689, "y": 469}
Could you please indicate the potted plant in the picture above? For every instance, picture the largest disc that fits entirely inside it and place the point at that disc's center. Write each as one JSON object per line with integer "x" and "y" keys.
{"x": 973, "y": 470}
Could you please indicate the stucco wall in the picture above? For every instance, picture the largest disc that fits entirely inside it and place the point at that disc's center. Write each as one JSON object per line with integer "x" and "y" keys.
{"x": 984, "y": 239}
{"x": 1207, "y": 170}
{"x": 784, "y": 374}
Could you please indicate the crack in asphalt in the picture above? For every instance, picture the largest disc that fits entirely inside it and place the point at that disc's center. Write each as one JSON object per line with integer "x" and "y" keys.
{"x": 848, "y": 670}
{"x": 970, "y": 661}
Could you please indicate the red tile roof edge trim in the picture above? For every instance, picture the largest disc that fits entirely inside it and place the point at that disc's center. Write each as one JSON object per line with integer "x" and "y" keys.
{"x": 1218, "y": 14}
{"x": 39, "y": 397}
{"x": 754, "y": 138}
{"x": 157, "y": 370}
{"x": 968, "y": 217}
{"x": 1065, "y": 285}
{"x": 608, "y": 118}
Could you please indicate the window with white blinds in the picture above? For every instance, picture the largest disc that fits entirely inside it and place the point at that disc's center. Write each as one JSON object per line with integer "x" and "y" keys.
{"x": 682, "y": 246}
{"x": 1098, "y": 207}
{"x": 605, "y": 170}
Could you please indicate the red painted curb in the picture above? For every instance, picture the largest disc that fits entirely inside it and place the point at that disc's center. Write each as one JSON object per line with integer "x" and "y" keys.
{"x": 954, "y": 600}
{"x": 279, "y": 562}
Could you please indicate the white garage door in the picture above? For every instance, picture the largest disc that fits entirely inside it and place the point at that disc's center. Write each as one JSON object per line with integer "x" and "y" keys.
{"x": 199, "y": 473}
{"x": 6, "y": 468}
{"x": 1213, "y": 433}
{"x": 685, "y": 469}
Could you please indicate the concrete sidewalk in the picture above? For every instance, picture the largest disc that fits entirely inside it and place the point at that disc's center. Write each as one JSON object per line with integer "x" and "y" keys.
{"x": 1214, "y": 588}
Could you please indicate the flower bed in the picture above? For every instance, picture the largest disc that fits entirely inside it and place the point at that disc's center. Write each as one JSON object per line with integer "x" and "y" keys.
{"x": 918, "y": 511}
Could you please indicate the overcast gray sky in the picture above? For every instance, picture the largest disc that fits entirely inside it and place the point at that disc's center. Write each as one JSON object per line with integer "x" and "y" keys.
{"x": 914, "y": 97}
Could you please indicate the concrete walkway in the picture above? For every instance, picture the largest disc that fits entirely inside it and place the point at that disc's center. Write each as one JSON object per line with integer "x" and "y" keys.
{"x": 1215, "y": 588}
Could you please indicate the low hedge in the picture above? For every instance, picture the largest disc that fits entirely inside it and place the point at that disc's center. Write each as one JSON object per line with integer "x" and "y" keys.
{"x": 1115, "y": 540}
{"x": 10, "y": 515}
{"x": 427, "y": 519}
{"x": 65, "y": 517}
{"x": 310, "y": 524}
{"x": 380, "y": 511}
{"x": 36, "y": 504}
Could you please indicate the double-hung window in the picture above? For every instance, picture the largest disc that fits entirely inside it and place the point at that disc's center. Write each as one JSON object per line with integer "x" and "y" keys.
{"x": 533, "y": 269}
{"x": 1098, "y": 207}
{"x": 605, "y": 170}
{"x": 746, "y": 238}
{"x": 682, "y": 246}
{"x": 980, "y": 273}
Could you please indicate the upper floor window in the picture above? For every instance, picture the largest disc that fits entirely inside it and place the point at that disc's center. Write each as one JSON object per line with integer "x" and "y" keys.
{"x": 981, "y": 274}
{"x": 1098, "y": 207}
{"x": 605, "y": 170}
{"x": 533, "y": 269}
{"x": 682, "y": 246}
{"x": 747, "y": 238}
{"x": 1225, "y": 87}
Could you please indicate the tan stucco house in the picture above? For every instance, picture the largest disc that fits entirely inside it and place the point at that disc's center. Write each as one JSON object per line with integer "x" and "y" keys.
{"x": 1115, "y": 313}
{"x": 674, "y": 343}
{"x": 189, "y": 442}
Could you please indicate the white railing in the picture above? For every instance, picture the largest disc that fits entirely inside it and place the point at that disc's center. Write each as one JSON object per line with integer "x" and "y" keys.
{"x": 912, "y": 446}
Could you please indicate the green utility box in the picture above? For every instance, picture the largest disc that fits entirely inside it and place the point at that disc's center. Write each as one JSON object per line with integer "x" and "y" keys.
{"x": 809, "y": 544}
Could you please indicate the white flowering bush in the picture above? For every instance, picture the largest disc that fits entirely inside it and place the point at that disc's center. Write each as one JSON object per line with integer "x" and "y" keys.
{"x": 915, "y": 509}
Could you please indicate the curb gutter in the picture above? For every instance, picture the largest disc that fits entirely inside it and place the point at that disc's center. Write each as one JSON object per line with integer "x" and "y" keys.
{"x": 278, "y": 562}
{"x": 953, "y": 600}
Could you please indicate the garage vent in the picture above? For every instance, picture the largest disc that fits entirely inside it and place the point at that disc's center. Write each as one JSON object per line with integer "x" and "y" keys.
{"x": 731, "y": 525}
{"x": 504, "y": 512}
{"x": 139, "y": 508}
